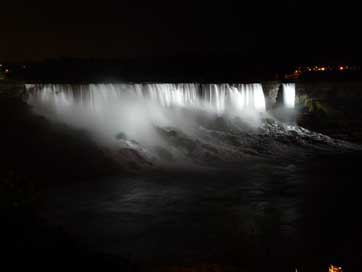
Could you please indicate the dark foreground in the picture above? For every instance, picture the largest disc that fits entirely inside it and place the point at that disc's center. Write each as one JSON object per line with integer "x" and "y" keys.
{"x": 264, "y": 215}
{"x": 65, "y": 205}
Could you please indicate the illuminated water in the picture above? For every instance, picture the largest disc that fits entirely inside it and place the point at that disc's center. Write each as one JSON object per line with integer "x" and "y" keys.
{"x": 221, "y": 99}
{"x": 289, "y": 95}
{"x": 130, "y": 108}
{"x": 265, "y": 194}
{"x": 189, "y": 124}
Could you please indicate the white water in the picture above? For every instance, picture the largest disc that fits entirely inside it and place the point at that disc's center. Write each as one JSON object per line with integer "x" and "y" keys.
{"x": 141, "y": 113}
{"x": 131, "y": 108}
{"x": 289, "y": 95}
{"x": 183, "y": 123}
{"x": 222, "y": 98}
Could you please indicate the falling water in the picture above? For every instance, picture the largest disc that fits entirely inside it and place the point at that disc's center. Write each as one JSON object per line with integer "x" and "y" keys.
{"x": 174, "y": 122}
{"x": 140, "y": 112}
{"x": 289, "y": 95}
{"x": 224, "y": 99}
{"x": 220, "y": 99}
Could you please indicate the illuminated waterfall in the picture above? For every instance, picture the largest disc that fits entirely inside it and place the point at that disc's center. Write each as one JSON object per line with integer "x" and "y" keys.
{"x": 222, "y": 98}
{"x": 146, "y": 124}
{"x": 140, "y": 110}
{"x": 217, "y": 98}
{"x": 289, "y": 95}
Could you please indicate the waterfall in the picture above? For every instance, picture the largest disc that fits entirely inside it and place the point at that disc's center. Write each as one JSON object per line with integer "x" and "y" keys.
{"x": 140, "y": 110}
{"x": 171, "y": 123}
{"x": 289, "y": 95}
{"x": 218, "y": 98}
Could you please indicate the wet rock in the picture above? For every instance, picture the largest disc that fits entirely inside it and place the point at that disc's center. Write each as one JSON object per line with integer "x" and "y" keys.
{"x": 163, "y": 153}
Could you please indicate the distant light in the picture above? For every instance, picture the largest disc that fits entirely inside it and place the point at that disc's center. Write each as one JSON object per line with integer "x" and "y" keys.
{"x": 341, "y": 68}
{"x": 1, "y": 65}
{"x": 7, "y": 70}
{"x": 323, "y": 69}
{"x": 333, "y": 268}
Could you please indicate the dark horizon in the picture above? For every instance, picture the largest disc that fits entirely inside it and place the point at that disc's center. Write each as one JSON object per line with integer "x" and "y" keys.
{"x": 287, "y": 31}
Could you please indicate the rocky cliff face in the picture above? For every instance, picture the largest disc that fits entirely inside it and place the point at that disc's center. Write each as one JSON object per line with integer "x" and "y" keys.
{"x": 271, "y": 89}
{"x": 328, "y": 91}
{"x": 330, "y": 107}
{"x": 341, "y": 116}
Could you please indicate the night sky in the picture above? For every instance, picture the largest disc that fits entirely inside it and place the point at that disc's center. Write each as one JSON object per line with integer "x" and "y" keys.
{"x": 295, "y": 30}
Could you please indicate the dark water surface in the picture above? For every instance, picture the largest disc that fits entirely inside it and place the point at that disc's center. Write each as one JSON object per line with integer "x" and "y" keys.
{"x": 302, "y": 215}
